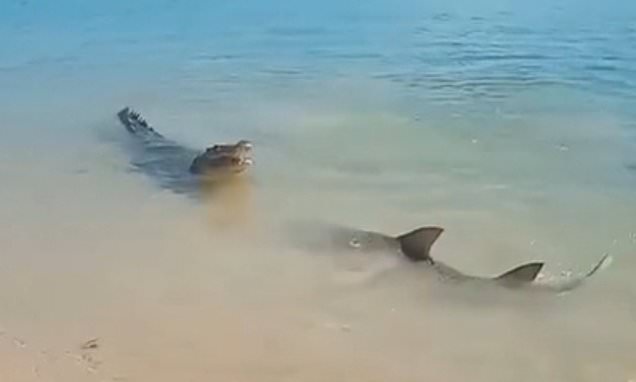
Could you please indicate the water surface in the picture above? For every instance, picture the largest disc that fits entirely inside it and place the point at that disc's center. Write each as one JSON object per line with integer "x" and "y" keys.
{"x": 510, "y": 124}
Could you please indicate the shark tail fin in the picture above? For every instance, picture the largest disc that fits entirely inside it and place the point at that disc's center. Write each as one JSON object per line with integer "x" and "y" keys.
{"x": 602, "y": 263}
{"x": 576, "y": 282}
{"x": 416, "y": 245}
{"x": 522, "y": 274}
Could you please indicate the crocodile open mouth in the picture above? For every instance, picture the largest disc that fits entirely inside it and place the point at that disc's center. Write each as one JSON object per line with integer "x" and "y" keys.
{"x": 242, "y": 148}
{"x": 224, "y": 159}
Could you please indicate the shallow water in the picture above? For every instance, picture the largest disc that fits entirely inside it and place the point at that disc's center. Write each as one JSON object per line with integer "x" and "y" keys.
{"x": 511, "y": 125}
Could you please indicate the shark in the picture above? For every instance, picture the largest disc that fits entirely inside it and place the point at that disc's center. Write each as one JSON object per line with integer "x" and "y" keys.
{"x": 415, "y": 248}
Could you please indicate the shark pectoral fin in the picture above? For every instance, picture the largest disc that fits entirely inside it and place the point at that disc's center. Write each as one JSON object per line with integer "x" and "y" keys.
{"x": 522, "y": 274}
{"x": 417, "y": 244}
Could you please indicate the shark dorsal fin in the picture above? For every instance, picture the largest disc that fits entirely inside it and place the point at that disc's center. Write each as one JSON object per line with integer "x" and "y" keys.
{"x": 417, "y": 244}
{"x": 522, "y": 274}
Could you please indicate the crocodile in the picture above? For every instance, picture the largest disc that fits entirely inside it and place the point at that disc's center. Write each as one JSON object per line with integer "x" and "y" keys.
{"x": 180, "y": 168}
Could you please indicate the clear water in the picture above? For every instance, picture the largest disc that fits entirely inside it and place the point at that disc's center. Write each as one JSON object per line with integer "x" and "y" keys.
{"x": 509, "y": 123}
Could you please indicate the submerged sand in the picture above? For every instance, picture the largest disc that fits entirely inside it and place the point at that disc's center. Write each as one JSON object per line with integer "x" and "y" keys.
{"x": 178, "y": 289}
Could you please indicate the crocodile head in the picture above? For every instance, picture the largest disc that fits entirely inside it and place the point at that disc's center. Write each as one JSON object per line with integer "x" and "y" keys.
{"x": 223, "y": 160}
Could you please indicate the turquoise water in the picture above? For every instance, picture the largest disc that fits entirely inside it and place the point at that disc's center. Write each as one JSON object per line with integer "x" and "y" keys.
{"x": 512, "y": 124}
{"x": 463, "y": 53}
